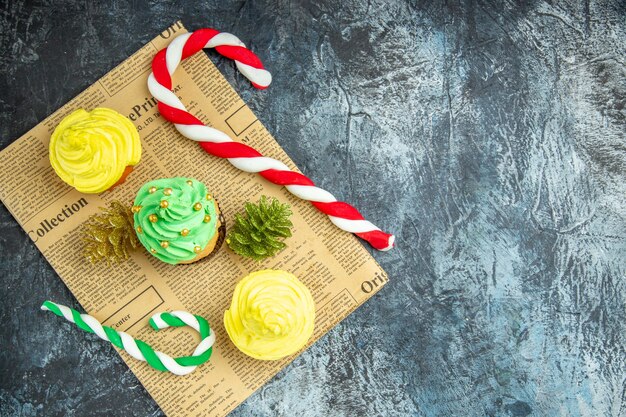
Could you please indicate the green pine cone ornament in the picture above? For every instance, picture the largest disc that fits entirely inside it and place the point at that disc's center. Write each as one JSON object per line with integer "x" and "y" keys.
{"x": 109, "y": 236}
{"x": 260, "y": 232}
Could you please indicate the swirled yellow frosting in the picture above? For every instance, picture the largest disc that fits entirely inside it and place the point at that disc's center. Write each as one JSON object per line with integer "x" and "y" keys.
{"x": 91, "y": 150}
{"x": 271, "y": 315}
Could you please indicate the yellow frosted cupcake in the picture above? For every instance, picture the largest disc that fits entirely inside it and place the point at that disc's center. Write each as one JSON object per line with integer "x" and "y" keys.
{"x": 271, "y": 316}
{"x": 94, "y": 151}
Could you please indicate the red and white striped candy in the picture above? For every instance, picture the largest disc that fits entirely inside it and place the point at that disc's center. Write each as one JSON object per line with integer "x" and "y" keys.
{"x": 242, "y": 156}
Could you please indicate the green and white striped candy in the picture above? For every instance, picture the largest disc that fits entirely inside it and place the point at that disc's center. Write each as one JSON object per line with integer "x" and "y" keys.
{"x": 141, "y": 350}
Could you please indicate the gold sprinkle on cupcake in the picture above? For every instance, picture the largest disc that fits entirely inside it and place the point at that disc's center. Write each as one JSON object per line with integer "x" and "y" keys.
{"x": 153, "y": 218}
{"x": 209, "y": 196}
{"x": 207, "y": 218}
{"x": 165, "y": 244}
{"x": 164, "y": 204}
{"x": 152, "y": 250}
{"x": 167, "y": 191}
{"x": 197, "y": 249}
{"x": 139, "y": 229}
{"x": 189, "y": 182}
{"x": 197, "y": 206}
{"x": 152, "y": 190}
{"x": 135, "y": 209}
{"x": 184, "y": 232}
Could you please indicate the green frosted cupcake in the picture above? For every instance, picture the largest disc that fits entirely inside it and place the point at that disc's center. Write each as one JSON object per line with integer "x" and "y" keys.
{"x": 177, "y": 220}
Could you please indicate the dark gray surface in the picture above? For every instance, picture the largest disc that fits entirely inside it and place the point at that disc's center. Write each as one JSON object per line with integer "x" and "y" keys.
{"x": 489, "y": 137}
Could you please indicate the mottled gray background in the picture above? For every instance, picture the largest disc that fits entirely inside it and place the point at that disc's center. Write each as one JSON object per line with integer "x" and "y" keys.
{"x": 489, "y": 136}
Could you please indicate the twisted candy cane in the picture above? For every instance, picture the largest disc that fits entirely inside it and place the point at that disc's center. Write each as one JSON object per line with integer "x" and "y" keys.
{"x": 140, "y": 350}
{"x": 242, "y": 156}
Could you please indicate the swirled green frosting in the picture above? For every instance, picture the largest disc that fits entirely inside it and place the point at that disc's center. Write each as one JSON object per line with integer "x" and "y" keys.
{"x": 175, "y": 218}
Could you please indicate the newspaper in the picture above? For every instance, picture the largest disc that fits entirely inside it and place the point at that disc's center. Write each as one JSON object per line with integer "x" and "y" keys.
{"x": 336, "y": 268}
